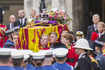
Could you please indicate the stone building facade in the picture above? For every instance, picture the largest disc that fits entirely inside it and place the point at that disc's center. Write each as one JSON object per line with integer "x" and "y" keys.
{"x": 80, "y": 10}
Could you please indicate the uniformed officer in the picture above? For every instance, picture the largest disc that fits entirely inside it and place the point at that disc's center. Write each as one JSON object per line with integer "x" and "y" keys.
{"x": 38, "y": 59}
{"x": 79, "y": 35}
{"x": 48, "y": 61}
{"x": 27, "y": 65}
{"x": 5, "y": 59}
{"x": 99, "y": 56}
{"x": 17, "y": 58}
{"x": 48, "y": 57}
{"x": 84, "y": 62}
{"x": 60, "y": 57}
{"x": 28, "y": 59}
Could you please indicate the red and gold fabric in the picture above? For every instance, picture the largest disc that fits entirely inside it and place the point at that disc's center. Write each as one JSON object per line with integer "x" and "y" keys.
{"x": 29, "y": 38}
{"x": 3, "y": 38}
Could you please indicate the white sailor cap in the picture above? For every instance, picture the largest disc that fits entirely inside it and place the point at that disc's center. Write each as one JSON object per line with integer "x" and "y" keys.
{"x": 26, "y": 57}
{"x": 38, "y": 56}
{"x": 8, "y": 49}
{"x": 12, "y": 50}
{"x": 26, "y": 52}
{"x": 17, "y": 55}
{"x": 79, "y": 33}
{"x": 60, "y": 52}
{"x": 47, "y": 52}
{"x": 5, "y": 52}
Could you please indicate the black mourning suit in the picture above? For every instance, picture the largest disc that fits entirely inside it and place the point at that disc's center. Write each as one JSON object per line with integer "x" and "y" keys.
{"x": 1, "y": 15}
{"x": 12, "y": 25}
{"x": 21, "y": 22}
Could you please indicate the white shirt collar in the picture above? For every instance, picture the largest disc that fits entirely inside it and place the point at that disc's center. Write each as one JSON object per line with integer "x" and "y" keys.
{"x": 95, "y": 26}
{"x": 81, "y": 55}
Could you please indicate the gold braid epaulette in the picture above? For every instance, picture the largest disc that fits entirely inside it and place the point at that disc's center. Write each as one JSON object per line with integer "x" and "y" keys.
{"x": 94, "y": 60}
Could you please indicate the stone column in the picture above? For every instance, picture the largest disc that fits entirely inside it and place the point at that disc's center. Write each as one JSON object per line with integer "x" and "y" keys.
{"x": 28, "y": 5}
{"x": 55, "y": 4}
{"x": 48, "y": 4}
{"x": 62, "y": 4}
{"x": 77, "y": 7}
{"x": 80, "y": 15}
{"x": 31, "y": 4}
{"x": 59, "y": 4}
{"x": 77, "y": 14}
{"x": 68, "y": 9}
{"x": 36, "y": 5}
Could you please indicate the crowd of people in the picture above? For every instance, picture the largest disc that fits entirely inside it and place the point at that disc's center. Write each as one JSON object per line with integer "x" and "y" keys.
{"x": 72, "y": 51}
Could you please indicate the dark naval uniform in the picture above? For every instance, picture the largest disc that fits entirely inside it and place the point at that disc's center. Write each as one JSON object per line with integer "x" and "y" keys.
{"x": 39, "y": 68}
{"x": 19, "y": 68}
{"x": 6, "y": 68}
{"x": 63, "y": 66}
{"x": 5, "y": 55}
{"x": 30, "y": 67}
{"x": 49, "y": 67}
{"x": 83, "y": 63}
